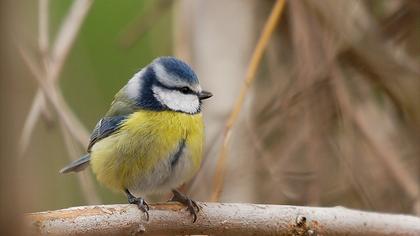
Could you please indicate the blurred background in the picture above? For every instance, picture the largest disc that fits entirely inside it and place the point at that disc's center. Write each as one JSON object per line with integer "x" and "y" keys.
{"x": 332, "y": 118}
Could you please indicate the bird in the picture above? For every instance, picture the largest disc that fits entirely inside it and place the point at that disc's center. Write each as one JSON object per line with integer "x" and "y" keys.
{"x": 151, "y": 139}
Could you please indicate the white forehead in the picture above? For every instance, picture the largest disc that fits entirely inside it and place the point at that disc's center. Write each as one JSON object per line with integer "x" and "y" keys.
{"x": 177, "y": 101}
{"x": 133, "y": 87}
{"x": 171, "y": 80}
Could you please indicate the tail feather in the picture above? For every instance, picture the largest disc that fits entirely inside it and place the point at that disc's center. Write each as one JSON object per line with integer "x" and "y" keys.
{"x": 76, "y": 165}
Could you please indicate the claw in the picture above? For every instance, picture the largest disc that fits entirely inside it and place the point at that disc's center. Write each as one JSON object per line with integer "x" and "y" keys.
{"x": 195, "y": 205}
{"x": 140, "y": 202}
{"x": 191, "y": 204}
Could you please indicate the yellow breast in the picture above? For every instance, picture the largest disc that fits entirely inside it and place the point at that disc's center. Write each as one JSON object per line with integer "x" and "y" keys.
{"x": 144, "y": 140}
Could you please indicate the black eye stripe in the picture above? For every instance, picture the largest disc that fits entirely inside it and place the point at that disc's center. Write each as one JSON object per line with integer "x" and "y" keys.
{"x": 176, "y": 88}
{"x": 185, "y": 90}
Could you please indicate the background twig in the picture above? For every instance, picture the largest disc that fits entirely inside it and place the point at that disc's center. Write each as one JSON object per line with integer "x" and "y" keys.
{"x": 47, "y": 75}
{"x": 269, "y": 27}
{"x": 55, "y": 61}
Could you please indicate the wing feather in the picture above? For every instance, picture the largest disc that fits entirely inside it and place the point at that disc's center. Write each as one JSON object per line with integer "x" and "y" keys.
{"x": 120, "y": 109}
{"x": 105, "y": 127}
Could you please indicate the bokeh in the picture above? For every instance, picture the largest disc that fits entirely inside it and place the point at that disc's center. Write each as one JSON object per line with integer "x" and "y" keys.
{"x": 331, "y": 119}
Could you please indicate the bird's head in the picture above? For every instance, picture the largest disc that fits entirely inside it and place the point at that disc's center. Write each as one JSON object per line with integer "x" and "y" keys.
{"x": 167, "y": 84}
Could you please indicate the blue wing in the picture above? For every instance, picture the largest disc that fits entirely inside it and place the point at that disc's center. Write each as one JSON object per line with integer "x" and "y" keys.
{"x": 105, "y": 127}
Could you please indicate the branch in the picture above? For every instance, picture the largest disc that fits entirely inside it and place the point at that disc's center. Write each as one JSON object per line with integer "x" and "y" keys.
{"x": 220, "y": 218}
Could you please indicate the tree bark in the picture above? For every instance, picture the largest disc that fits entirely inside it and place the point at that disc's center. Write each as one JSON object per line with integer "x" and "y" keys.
{"x": 221, "y": 219}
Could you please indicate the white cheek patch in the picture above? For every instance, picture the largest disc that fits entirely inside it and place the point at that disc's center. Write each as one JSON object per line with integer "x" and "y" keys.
{"x": 171, "y": 80}
{"x": 176, "y": 100}
{"x": 133, "y": 86}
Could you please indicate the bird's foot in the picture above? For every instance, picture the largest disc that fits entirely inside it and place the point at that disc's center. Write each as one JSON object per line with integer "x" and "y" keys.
{"x": 192, "y": 205}
{"x": 140, "y": 202}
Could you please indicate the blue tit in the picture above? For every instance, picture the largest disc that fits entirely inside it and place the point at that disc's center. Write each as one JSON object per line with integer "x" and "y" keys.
{"x": 151, "y": 138}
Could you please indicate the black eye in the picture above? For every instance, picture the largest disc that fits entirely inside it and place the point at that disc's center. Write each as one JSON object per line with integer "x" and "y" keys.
{"x": 185, "y": 90}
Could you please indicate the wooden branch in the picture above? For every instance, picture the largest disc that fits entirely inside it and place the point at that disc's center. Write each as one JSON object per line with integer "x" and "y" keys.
{"x": 220, "y": 218}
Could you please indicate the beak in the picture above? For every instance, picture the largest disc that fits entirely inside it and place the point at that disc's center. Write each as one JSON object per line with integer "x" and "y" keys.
{"x": 204, "y": 95}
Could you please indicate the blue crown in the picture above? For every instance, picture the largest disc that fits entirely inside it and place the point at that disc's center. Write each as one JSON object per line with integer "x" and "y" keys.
{"x": 178, "y": 68}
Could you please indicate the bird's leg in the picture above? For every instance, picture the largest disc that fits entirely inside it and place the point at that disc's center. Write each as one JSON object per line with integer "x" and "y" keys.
{"x": 139, "y": 201}
{"x": 192, "y": 206}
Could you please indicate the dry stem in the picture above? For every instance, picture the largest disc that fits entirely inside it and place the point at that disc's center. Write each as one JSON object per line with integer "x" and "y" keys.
{"x": 54, "y": 61}
{"x": 47, "y": 75}
{"x": 268, "y": 30}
